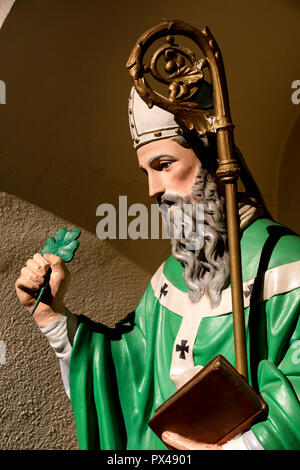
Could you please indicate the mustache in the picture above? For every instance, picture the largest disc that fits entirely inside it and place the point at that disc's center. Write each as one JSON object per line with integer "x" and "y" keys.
{"x": 183, "y": 220}
{"x": 167, "y": 200}
{"x": 170, "y": 199}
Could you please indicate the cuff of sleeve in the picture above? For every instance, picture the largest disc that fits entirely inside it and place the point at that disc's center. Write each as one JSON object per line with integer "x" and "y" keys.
{"x": 60, "y": 335}
{"x": 246, "y": 441}
{"x": 237, "y": 443}
{"x": 251, "y": 441}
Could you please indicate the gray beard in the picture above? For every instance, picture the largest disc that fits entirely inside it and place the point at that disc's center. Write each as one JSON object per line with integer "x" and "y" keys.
{"x": 205, "y": 269}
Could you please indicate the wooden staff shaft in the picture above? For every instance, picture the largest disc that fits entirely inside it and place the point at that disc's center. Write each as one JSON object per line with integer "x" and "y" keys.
{"x": 228, "y": 173}
{"x": 236, "y": 279}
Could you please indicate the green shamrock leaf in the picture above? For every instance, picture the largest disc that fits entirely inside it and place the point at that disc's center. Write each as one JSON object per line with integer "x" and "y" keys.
{"x": 63, "y": 244}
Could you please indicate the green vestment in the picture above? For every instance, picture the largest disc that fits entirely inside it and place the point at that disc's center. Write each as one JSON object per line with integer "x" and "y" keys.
{"x": 118, "y": 377}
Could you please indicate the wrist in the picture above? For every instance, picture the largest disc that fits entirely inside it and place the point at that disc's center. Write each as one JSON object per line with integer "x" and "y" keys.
{"x": 45, "y": 315}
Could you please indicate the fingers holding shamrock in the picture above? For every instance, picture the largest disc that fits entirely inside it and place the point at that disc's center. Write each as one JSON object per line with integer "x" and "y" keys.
{"x": 31, "y": 280}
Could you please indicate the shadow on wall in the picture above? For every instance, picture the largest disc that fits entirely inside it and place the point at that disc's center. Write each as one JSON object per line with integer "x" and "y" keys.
{"x": 65, "y": 141}
{"x": 288, "y": 202}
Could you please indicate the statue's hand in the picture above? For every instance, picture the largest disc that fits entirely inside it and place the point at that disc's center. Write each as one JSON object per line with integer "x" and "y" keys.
{"x": 31, "y": 280}
{"x": 181, "y": 443}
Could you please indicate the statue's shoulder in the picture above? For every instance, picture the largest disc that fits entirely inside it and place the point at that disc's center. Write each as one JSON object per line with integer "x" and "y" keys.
{"x": 266, "y": 244}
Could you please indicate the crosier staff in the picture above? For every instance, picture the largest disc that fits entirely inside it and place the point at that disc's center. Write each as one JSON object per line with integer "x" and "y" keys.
{"x": 185, "y": 77}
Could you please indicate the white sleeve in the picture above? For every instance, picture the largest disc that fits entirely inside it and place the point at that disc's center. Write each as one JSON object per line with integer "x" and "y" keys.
{"x": 246, "y": 441}
{"x": 61, "y": 334}
{"x": 64, "y": 369}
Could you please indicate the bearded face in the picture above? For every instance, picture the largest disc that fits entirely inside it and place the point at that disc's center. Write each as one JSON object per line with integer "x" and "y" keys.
{"x": 176, "y": 178}
{"x": 202, "y": 249}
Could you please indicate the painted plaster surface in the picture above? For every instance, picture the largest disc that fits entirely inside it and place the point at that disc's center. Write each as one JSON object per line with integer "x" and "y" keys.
{"x": 65, "y": 148}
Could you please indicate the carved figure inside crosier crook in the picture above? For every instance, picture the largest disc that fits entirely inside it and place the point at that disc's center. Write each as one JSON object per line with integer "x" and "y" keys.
{"x": 246, "y": 276}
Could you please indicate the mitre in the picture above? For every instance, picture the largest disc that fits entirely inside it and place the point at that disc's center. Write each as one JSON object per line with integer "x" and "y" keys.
{"x": 149, "y": 124}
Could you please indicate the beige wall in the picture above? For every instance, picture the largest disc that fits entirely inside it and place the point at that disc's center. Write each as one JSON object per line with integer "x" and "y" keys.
{"x": 65, "y": 148}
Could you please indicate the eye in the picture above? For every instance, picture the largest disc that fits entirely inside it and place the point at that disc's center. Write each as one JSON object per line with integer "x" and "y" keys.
{"x": 164, "y": 165}
{"x": 162, "y": 162}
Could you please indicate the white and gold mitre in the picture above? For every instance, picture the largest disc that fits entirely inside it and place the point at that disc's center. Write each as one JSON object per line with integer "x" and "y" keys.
{"x": 149, "y": 124}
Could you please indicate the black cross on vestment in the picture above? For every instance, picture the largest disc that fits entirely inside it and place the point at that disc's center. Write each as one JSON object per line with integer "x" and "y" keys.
{"x": 163, "y": 290}
{"x": 249, "y": 291}
{"x": 183, "y": 348}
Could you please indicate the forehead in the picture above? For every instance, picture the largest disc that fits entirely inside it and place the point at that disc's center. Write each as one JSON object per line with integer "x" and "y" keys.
{"x": 159, "y": 148}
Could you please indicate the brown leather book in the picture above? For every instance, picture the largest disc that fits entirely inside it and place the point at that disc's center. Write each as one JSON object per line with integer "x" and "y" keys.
{"x": 214, "y": 406}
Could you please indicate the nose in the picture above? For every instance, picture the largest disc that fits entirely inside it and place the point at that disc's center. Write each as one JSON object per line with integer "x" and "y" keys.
{"x": 155, "y": 183}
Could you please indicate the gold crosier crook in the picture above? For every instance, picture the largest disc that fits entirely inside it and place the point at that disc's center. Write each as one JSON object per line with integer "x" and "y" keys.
{"x": 184, "y": 74}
